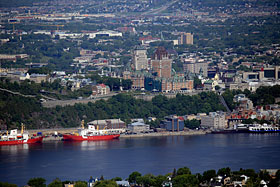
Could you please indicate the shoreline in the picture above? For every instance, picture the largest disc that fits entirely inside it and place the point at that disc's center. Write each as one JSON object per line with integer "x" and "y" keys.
{"x": 153, "y": 134}
{"x": 157, "y": 134}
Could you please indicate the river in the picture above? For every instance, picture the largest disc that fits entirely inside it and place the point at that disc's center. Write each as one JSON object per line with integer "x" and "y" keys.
{"x": 119, "y": 158}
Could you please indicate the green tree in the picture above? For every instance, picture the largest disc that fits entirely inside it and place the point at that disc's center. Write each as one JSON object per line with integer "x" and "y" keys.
{"x": 117, "y": 179}
{"x": 207, "y": 175}
{"x": 192, "y": 124}
{"x": 197, "y": 83}
{"x": 106, "y": 183}
{"x": 56, "y": 183}
{"x": 278, "y": 175}
{"x": 185, "y": 180}
{"x": 133, "y": 175}
{"x": 184, "y": 171}
{"x": 224, "y": 171}
{"x": 264, "y": 175}
{"x": 37, "y": 182}
{"x": 80, "y": 184}
{"x": 5, "y": 184}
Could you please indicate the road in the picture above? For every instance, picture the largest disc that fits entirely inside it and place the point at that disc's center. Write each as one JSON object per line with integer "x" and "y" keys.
{"x": 160, "y": 9}
{"x": 16, "y": 93}
{"x": 71, "y": 102}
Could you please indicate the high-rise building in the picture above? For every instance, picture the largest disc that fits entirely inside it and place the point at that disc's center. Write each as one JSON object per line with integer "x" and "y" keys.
{"x": 186, "y": 38}
{"x": 161, "y": 63}
{"x": 196, "y": 66}
{"x": 140, "y": 60}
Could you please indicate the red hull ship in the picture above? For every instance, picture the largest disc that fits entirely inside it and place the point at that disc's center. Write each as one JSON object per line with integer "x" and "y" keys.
{"x": 16, "y": 142}
{"x": 70, "y": 137}
{"x": 23, "y": 138}
{"x": 91, "y": 134}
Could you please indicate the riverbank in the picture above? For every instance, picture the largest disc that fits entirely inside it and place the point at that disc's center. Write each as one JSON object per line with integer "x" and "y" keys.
{"x": 155, "y": 134}
{"x": 142, "y": 135}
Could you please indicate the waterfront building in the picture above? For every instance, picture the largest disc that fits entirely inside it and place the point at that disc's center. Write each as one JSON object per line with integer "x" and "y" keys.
{"x": 173, "y": 123}
{"x": 215, "y": 120}
{"x": 138, "y": 126}
{"x": 108, "y": 124}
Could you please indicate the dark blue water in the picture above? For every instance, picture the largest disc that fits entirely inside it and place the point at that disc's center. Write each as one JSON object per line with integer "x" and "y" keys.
{"x": 156, "y": 155}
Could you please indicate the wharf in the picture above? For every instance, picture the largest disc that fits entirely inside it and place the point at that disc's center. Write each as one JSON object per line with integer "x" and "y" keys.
{"x": 156, "y": 134}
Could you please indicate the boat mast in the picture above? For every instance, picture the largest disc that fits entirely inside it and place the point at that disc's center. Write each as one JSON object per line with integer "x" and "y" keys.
{"x": 22, "y": 128}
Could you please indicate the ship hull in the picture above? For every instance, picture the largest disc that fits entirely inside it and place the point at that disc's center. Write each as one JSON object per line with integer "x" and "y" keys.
{"x": 16, "y": 142}
{"x": 230, "y": 131}
{"x": 69, "y": 137}
{"x": 264, "y": 131}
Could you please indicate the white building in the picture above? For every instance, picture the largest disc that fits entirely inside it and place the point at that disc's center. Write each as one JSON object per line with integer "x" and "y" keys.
{"x": 196, "y": 66}
{"x": 215, "y": 120}
{"x": 138, "y": 126}
{"x": 140, "y": 59}
{"x": 105, "y": 33}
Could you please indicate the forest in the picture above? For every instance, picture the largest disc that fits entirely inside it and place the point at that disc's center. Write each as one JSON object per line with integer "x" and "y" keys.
{"x": 264, "y": 95}
{"x": 17, "y": 109}
{"x": 183, "y": 177}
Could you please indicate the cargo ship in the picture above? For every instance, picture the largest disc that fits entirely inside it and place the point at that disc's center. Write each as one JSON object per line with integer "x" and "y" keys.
{"x": 91, "y": 134}
{"x": 13, "y": 138}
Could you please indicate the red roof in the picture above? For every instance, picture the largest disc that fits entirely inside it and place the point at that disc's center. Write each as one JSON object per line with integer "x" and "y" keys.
{"x": 102, "y": 85}
{"x": 181, "y": 118}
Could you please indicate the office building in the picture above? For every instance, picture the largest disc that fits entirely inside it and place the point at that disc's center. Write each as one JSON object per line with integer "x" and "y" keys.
{"x": 186, "y": 38}
{"x": 140, "y": 60}
{"x": 196, "y": 67}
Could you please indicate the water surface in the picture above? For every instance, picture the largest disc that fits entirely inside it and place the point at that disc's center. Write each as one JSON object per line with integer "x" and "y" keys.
{"x": 156, "y": 155}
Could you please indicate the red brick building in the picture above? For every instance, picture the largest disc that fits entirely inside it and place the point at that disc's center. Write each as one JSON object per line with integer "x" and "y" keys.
{"x": 161, "y": 63}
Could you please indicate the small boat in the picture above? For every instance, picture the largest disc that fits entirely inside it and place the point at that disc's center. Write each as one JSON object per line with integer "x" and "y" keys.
{"x": 91, "y": 134}
{"x": 265, "y": 128}
{"x": 13, "y": 138}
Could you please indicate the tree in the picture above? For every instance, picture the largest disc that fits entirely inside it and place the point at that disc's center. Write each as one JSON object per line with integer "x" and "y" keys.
{"x": 80, "y": 184}
{"x": 185, "y": 180}
{"x": 217, "y": 87}
{"x": 126, "y": 84}
{"x": 5, "y": 184}
{"x": 278, "y": 174}
{"x": 133, "y": 175}
{"x": 117, "y": 179}
{"x": 192, "y": 124}
{"x": 106, "y": 183}
{"x": 197, "y": 83}
{"x": 264, "y": 175}
{"x": 56, "y": 183}
{"x": 37, "y": 182}
{"x": 224, "y": 171}
{"x": 207, "y": 175}
{"x": 184, "y": 171}
{"x": 174, "y": 173}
